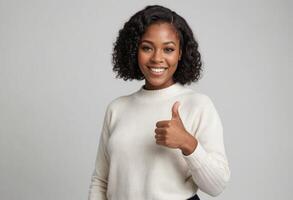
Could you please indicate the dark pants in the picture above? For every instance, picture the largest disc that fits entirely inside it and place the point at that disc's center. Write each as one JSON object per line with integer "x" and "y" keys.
{"x": 195, "y": 197}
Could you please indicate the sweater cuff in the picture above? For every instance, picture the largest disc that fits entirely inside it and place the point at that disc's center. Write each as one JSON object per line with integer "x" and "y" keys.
{"x": 196, "y": 158}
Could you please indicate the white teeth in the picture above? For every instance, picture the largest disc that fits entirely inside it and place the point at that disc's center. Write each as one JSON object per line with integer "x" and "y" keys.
{"x": 157, "y": 69}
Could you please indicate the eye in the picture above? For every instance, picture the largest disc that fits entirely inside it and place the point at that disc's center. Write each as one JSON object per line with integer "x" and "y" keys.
{"x": 146, "y": 48}
{"x": 168, "y": 50}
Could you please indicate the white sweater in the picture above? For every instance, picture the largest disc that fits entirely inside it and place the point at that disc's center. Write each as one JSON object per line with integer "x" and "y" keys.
{"x": 131, "y": 166}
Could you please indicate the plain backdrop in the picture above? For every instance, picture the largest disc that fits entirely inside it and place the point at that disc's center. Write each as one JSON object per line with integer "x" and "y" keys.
{"x": 56, "y": 80}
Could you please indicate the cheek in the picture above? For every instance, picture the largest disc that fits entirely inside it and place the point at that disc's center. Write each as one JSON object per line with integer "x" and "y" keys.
{"x": 142, "y": 58}
{"x": 173, "y": 60}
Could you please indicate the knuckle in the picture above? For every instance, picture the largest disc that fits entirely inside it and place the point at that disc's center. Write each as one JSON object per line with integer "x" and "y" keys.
{"x": 167, "y": 142}
{"x": 166, "y": 130}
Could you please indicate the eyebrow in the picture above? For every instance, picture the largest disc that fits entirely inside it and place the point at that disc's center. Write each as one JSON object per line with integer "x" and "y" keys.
{"x": 168, "y": 42}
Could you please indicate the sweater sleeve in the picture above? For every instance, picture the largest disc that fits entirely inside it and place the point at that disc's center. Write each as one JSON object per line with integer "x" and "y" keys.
{"x": 99, "y": 179}
{"x": 208, "y": 163}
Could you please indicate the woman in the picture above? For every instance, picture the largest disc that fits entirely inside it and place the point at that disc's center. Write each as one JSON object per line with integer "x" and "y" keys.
{"x": 164, "y": 141}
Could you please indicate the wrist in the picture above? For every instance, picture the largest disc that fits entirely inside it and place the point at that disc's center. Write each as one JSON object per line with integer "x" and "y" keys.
{"x": 189, "y": 146}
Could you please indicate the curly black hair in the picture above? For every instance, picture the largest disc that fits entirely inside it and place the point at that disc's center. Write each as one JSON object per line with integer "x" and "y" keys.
{"x": 124, "y": 56}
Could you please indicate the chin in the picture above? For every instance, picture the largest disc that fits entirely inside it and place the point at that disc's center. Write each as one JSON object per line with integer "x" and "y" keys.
{"x": 157, "y": 83}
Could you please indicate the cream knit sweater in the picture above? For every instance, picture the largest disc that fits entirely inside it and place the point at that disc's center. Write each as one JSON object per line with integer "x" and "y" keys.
{"x": 131, "y": 166}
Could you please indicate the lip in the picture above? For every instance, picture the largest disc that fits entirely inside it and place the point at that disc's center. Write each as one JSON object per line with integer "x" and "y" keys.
{"x": 157, "y": 67}
{"x": 157, "y": 74}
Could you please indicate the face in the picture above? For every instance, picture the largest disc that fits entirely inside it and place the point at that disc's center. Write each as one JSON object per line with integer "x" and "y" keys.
{"x": 158, "y": 55}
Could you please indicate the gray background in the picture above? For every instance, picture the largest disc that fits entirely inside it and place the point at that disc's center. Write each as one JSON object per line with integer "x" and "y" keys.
{"x": 56, "y": 80}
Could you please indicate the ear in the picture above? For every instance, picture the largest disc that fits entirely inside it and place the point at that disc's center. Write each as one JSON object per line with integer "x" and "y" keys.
{"x": 180, "y": 54}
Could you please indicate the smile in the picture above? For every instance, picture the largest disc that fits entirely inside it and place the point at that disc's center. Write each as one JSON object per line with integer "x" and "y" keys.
{"x": 157, "y": 70}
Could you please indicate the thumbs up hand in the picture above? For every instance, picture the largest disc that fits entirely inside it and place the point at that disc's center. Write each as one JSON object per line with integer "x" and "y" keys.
{"x": 172, "y": 133}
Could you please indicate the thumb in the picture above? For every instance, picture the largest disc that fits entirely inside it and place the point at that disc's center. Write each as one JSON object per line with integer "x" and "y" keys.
{"x": 175, "y": 113}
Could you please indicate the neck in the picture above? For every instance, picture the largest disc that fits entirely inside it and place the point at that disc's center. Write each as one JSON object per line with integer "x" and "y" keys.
{"x": 148, "y": 86}
{"x": 159, "y": 94}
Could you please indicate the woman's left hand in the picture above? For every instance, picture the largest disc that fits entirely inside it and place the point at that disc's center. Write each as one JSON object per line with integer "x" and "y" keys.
{"x": 172, "y": 133}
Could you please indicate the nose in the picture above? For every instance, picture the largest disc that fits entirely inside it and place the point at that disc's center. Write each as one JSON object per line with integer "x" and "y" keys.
{"x": 157, "y": 57}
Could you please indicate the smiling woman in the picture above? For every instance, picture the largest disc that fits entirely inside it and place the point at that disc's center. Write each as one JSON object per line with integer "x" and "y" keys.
{"x": 158, "y": 55}
{"x": 148, "y": 151}
{"x": 132, "y": 35}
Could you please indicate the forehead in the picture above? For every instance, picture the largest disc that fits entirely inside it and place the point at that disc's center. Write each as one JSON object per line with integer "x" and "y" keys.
{"x": 161, "y": 32}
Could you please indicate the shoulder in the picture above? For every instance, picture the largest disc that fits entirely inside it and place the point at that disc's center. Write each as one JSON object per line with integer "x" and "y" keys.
{"x": 196, "y": 103}
{"x": 117, "y": 106}
{"x": 119, "y": 103}
{"x": 194, "y": 98}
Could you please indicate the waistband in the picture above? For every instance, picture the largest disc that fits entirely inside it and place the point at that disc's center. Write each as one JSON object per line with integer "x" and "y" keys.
{"x": 195, "y": 197}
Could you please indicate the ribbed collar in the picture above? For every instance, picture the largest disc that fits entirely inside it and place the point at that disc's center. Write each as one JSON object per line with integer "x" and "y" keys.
{"x": 160, "y": 94}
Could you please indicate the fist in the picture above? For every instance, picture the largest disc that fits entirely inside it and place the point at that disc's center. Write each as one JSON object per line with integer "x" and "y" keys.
{"x": 171, "y": 133}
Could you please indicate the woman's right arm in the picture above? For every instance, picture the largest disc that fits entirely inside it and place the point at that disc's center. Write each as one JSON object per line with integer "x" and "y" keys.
{"x": 99, "y": 179}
